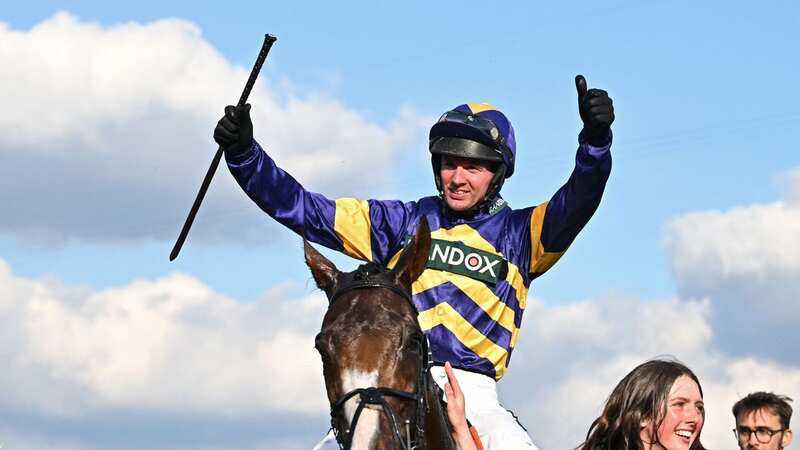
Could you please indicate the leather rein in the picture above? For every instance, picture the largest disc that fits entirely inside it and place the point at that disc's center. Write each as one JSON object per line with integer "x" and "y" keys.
{"x": 365, "y": 277}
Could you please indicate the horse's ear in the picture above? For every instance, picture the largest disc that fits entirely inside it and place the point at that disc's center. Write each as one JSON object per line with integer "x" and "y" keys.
{"x": 323, "y": 271}
{"x": 412, "y": 262}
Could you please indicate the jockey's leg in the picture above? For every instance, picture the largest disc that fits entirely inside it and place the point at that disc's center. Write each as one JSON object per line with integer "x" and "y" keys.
{"x": 497, "y": 427}
{"x": 329, "y": 443}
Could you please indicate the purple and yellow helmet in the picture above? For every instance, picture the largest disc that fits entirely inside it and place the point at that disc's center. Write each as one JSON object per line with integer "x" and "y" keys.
{"x": 478, "y": 131}
{"x": 478, "y": 122}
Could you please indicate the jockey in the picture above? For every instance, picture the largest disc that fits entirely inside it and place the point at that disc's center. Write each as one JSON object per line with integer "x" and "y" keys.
{"x": 484, "y": 254}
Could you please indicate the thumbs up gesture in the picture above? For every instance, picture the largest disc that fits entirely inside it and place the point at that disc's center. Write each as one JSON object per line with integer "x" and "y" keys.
{"x": 597, "y": 112}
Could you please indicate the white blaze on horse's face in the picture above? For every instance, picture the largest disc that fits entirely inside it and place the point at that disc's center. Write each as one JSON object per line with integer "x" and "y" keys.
{"x": 367, "y": 426}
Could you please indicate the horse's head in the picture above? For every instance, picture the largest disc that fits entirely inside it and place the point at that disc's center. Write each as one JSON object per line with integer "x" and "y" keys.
{"x": 370, "y": 338}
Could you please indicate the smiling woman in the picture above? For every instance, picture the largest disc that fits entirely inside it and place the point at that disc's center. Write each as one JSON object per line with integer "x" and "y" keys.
{"x": 658, "y": 405}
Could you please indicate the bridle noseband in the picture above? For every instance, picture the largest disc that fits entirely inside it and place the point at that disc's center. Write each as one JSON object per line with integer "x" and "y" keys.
{"x": 373, "y": 276}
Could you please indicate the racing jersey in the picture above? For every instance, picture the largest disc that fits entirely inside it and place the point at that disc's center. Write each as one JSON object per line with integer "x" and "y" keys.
{"x": 472, "y": 295}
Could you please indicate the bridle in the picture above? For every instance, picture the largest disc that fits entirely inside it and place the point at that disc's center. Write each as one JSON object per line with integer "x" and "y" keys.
{"x": 369, "y": 276}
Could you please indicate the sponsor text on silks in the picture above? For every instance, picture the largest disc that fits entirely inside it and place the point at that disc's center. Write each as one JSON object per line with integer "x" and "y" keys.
{"x": 459, "y": 258}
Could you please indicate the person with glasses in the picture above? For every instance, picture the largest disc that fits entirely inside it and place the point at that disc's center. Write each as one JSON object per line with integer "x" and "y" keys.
{"x": 762, "y": 421}
{"x": 484, "y": 254}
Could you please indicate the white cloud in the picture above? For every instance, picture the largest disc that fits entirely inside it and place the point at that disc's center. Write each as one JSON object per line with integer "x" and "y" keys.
{"x": 599, "y": 321}
{"x": 171, "y": 345}
{"x": 569, "y": 357}
{"x": 754, "y": 241}
{"x": 174, "y": 347}
{"x": 746, "y": 260}
{"x": 107, "y": 131}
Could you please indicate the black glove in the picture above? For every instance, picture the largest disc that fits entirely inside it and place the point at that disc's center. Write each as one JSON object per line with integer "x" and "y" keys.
{"x": 234, "y": 131}
{"x": 597, "y": 112}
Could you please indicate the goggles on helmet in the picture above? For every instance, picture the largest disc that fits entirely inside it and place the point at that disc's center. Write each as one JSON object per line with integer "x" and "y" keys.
{"x": 485, "y": 126}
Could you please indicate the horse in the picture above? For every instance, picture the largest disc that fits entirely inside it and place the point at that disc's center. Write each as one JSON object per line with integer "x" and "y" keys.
{"x": 376, "y": 358}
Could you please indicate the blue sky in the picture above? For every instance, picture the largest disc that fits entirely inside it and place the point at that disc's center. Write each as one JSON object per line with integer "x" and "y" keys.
{"x": 106, "y": 137}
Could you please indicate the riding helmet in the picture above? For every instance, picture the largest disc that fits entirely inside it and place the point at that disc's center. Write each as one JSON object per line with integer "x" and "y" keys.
{"x": 477, "y": 131}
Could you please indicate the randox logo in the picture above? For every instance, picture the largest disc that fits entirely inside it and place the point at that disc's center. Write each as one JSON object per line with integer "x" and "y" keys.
{"x": 458, "y": 258}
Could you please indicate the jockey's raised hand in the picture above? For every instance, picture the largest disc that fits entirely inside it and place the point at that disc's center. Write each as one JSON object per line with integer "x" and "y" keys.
{"x": 597, "y": 112}
{"x": 234, "y": 131}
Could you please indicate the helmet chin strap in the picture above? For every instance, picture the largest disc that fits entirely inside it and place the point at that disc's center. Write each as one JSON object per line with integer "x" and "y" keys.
{"x": 494, "y": 186}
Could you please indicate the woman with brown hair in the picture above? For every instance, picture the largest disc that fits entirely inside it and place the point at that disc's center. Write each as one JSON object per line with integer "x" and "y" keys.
{"x": 657, "y": 406}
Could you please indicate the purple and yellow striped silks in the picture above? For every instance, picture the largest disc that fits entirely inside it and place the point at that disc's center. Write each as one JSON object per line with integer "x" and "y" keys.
{"x": 470, "y": 323}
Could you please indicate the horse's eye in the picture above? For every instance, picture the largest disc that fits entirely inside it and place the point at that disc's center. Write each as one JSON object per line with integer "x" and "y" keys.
{"x": 321, "y": 345}
{"x": 414, "y": 343}
{"x": 317, "y": 341}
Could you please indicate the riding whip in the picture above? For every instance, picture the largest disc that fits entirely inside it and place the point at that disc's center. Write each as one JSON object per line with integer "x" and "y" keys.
{"x": 262, "y": 55}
